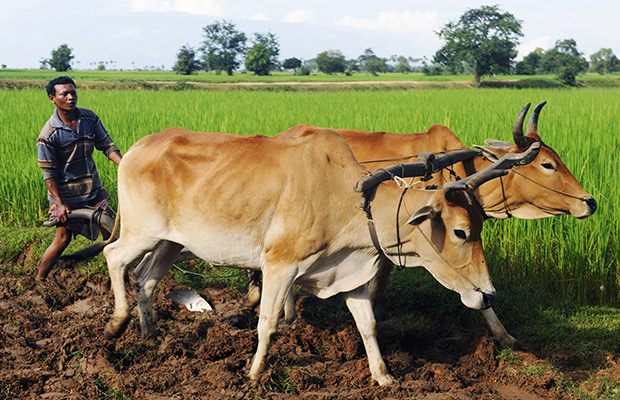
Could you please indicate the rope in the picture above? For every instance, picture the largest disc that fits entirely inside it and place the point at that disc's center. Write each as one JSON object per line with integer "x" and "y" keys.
{"x": 548, "y": 188}
{"x": 186, "y": 272}
{"x": 405, "y": 157}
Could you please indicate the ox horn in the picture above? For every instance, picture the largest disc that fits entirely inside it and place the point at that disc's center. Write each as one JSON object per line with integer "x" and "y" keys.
{"x": 428, "y": 164}
{"x": 517, "y": 130}
{"x": 532, "y": 125}
{"x": 496, "y": 169}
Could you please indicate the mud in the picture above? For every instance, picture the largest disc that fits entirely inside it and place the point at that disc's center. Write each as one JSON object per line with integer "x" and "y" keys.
{"x": 52, "y": 347}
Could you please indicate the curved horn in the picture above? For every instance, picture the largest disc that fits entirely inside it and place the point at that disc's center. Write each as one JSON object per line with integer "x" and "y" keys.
{"x": 498, "y": 168}
{"x": 408, "y": 170}
{"x": 517, "y": 130}
{"x": 532, "y": 125}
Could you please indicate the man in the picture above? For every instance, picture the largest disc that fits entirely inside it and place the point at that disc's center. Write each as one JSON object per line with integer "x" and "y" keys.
{"x": 65, "y": 148}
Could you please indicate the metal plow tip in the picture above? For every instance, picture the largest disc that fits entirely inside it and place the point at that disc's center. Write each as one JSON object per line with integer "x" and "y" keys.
{"x": 190, "y": 299}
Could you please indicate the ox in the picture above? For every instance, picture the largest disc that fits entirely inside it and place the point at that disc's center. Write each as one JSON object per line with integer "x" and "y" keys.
{"x": 286, "y": 207}
{"x": 543, "y": 188}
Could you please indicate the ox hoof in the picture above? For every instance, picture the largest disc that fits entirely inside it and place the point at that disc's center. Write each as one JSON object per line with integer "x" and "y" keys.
{"x": 253, "y": 297}
{"x": 384, "y": 380}
{"x": 508, "y": 341}
{"x": 114, "y": 330}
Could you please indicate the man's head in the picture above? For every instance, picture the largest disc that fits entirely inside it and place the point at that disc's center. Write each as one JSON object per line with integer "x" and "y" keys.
{"x": 61, "y": 92}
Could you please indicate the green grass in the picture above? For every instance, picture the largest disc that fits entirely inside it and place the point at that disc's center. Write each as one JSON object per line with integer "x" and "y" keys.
{"x": 577, "y": 259}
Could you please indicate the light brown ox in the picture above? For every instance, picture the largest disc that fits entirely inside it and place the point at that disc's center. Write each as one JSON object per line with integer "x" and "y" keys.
{"x": 543, "y": 188}
{"x": 285, "y": 207}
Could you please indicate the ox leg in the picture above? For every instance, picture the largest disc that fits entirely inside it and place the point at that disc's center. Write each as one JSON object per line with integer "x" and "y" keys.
{"x": 358, "y": 302}
{"x": 379, "y": 281}
{"x": 289, "y": 307}
{"x": 153, "y": 267}
{"x": 499, "y": 332}
{"x": 119, "y": 255}
{"x": 253, "y": 296}
{"x": 276, "y": 286}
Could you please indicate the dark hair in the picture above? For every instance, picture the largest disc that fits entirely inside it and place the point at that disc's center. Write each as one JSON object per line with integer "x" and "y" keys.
{"x": 61, "y": 80}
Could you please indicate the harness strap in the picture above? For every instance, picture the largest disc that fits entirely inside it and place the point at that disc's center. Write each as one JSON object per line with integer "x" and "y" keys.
{"x": 506, "y": 208}
{"x": 548, "y": 188}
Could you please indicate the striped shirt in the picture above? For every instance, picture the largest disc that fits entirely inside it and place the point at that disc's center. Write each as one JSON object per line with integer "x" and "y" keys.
{"x": 67, "y": 156}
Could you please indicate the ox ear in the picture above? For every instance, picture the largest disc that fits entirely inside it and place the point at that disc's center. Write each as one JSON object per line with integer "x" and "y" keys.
{"x": 494, "y": 153}
{"x": 422, "y": 215}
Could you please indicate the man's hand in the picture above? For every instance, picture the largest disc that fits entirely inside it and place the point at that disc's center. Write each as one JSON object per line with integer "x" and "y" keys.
{"x": 62, "y": 210}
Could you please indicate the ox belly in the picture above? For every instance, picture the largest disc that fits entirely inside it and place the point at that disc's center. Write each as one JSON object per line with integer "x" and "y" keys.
{"x": 323, "y": 274}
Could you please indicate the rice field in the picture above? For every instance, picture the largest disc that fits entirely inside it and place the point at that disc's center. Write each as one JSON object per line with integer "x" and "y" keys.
{"x": 577, "y": 259}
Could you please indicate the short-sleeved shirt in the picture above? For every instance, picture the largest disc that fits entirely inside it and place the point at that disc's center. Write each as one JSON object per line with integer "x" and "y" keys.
{"x": 67, "y": 155}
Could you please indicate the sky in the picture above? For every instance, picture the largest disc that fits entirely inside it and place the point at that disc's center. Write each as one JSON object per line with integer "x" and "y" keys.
{"x": 130, "y": 34}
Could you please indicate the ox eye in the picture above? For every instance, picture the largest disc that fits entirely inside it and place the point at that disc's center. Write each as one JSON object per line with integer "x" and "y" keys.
{"x": 547, "y": 165}
{"x": 460, "y": 234}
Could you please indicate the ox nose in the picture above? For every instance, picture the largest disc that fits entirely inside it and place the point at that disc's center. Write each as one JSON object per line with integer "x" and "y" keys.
{"x": 488, "y": 299}
{"x": 591, "y": 202}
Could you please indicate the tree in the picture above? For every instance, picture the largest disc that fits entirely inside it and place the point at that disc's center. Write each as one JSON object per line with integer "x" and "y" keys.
{"x": 485, "y": 38}
{"x": 61, "y": 59}
{"x": 331, "y": 62}
{"x": 530, "y": 64}
{"x": 257, "y": 60}
{"x": 221, "y": 46}
{"x": 186, "y": 63}
{"x": 402, "y": 64}
{"x": 371, "y": 63}
{"x": 604, "y": 61}
{"x": 292, "y": 63}
{"x": 270, "y": 41}
{"x": 564, "y": 60}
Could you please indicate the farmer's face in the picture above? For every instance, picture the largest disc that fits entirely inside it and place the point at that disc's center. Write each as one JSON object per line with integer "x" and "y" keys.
{"x": 65, "y": 97}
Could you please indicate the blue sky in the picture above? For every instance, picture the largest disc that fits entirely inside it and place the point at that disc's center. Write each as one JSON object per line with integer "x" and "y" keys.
{"x": 141, "y": 33}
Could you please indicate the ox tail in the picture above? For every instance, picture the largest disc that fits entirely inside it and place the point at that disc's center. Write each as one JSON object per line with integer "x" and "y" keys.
{"x": 95, "y": 248}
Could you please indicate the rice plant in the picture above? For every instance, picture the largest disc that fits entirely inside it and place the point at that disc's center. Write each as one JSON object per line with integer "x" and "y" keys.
{"x": 575, "y": 258}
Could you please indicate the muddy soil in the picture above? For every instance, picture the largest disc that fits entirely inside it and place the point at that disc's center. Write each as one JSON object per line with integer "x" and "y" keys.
{"x": 52, "y": 347}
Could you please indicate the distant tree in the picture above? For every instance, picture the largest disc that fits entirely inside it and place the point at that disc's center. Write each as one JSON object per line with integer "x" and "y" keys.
{"x": 221, "y": 46}
{"x": 604, "y": 61}
{"x": 186, "y": 63}
{"x": 371, "y": 63}
{"x": 60, "y": 59}
{"x": 270, "y": 41}
{"x": 530, "y": 64}
{"x": 331, "y": 62}
{"x": 484, "y": 38}
{"x": 351, "y": 66}
{"x": 402, "y": 64}
{"x": 257, "y": 59}
{"x": 292, "y": 63}
{"x": 564, "y": 60}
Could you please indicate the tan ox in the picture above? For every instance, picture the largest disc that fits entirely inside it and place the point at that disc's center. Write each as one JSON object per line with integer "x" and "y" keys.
{"x": 543, "y": 188}
{"x": 286, "y": 207}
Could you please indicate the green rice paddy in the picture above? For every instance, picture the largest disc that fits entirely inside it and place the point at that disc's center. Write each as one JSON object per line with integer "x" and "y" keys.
{"x": 577, "y": 259}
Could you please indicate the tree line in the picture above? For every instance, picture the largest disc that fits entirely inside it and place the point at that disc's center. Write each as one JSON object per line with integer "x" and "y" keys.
{"x": 482, "y": 41}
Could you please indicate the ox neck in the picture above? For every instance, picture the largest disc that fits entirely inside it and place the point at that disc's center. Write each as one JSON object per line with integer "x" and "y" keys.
{"x": 491, "y": 197}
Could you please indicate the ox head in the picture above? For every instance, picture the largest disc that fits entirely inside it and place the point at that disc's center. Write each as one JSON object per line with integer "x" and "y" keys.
{"x": 543, "y": 188}
{"x": 444, "y": 234}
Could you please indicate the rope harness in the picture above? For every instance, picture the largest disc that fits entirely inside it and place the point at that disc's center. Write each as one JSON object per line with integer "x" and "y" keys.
{"x": 375, "y": 239}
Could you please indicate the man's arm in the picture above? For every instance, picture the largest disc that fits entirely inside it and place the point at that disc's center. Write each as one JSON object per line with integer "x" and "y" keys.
{"x": 116, "y": 157}
{"x": 61, "y": 207}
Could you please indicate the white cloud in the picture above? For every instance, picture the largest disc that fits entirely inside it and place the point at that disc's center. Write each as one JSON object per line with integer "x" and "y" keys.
{"x": 402, "y": 22}
{"x": 258, "y": 17}
{"x": 300, "y": 16}
{"x": 543, "y": 42}
{"x": 216, "y": 8}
